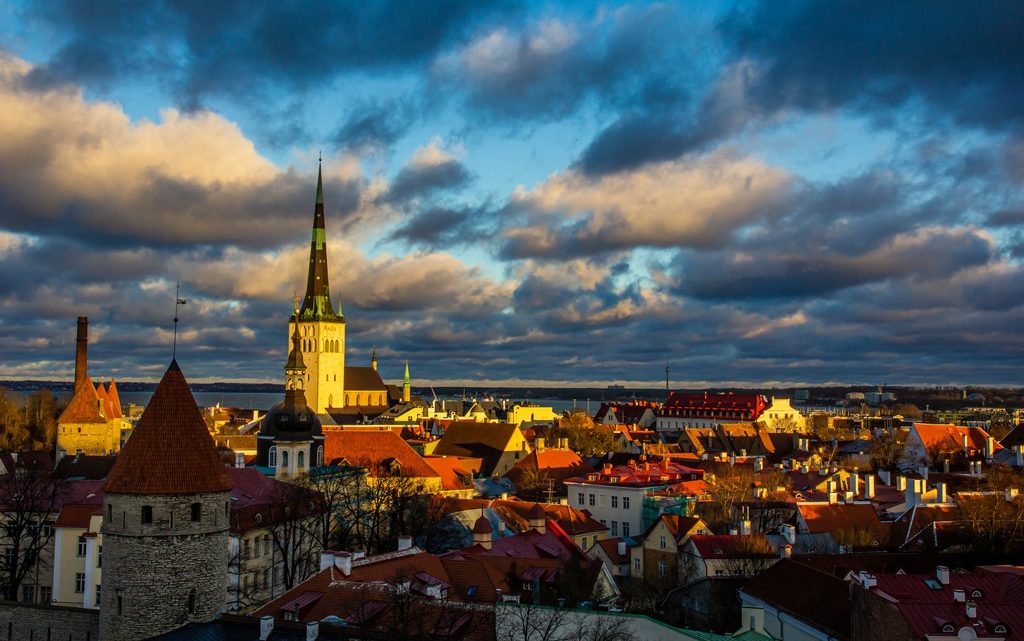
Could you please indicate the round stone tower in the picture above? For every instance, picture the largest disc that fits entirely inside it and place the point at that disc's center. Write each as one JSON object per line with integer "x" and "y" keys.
{"x": 165, "y": 522}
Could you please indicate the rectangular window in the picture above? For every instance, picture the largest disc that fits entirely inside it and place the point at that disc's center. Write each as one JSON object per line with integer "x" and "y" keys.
{"x": 584, "y": 543}
{"x": 625, "y": 503}
{"x": 592, "y": 500}
{"x": 661, "y": 542}
{"x": 82, "y": 545}
{"x": 615, "y": 528}
{"x": 147, "y": 514}
{"x": 582, "y": 500}
{"x": 625, "y": 528}
{"x": 28, "y": 593}
{"x": 246, "y": 550}
{"x": 636, "y": 564}
{"x": 615, "y": 501}
{"x": 79, "y": 582}
{"x": 197, "y": 512}
{"x": 99, "y": 556}
{"x": 45, "y": 594}
{"x": 98, "y": 586}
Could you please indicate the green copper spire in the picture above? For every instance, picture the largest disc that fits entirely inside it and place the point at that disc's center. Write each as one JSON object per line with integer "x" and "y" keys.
{"x": 316, "y": 304}
{"x": 405, "y": 378}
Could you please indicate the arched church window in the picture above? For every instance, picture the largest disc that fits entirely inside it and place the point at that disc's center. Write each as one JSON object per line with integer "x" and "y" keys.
{"x": 284, "y": 458}
{"x": 300, "y": 459}
{"x": 272, "y": 457}
{"x": 320, "y": 456}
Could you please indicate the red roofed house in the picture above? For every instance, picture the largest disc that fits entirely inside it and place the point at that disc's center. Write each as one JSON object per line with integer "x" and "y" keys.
{"x": 987, "y": 603}
{"x": 382, "y": 452}
{"x": 657, "y": 558}
{"x": 719, "y": 556}
{"x": 615, "y": 494}
{"x": 635, "y": 414}
{"x": 457, "y": 474}
{"x": 930, "y": 444}
{"x": 842, "y": 526}
{"x": 544, "y": 465}
{"x": 705, "y": 409}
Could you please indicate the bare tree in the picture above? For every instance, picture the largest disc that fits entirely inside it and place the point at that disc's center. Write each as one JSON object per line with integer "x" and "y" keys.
{"x": 30, "y": 496}
{"x": 528, "y": 622}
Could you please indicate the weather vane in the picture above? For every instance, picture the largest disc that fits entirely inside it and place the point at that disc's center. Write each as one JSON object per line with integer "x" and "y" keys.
{"x": 178, "y": 300}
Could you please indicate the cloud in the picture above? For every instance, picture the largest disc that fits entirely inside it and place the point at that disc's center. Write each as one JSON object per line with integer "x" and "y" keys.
{"x": 695, "y": 203}
{"x": 227, "y": 48}
{"x": 430, "y": 170}
{"x": 374, "y": 125}
{"x": 549, "y": 67}
{"x": 927, "y": 253}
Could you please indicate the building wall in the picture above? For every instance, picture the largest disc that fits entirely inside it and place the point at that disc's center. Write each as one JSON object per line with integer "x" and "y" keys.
{"x": 602, "y": 509}
{"x": 68, "y": 563}
{"x": 325, "y": 370}
{"x": 780, "y": 625}
{"x": 138, "y": 556}
{"x": 780, "y": 414}
{"x": 653, "y": 553}
{"x": 90, "y": 438}
{"x": 22, "y": 621}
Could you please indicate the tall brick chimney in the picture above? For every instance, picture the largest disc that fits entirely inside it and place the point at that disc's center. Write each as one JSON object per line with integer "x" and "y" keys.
{"x": 81, "y": 347}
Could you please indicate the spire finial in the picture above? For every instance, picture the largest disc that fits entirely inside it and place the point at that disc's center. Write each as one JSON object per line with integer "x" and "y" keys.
{"x": 320, "y": 182}
{"x": 178, "y": 300}
{"x": 295, "y": 304}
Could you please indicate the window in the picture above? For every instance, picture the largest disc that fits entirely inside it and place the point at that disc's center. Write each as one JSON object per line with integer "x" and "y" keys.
{"x": 82, "y": 545}
{"x": 320, "y": 456}
{"x": 99, "y": 556}
{"x": 98, "y": 586}
{"x": 79, "y": 582}
{"x": 197, "y": 512}
{"x": 1000, "y": 629}
{"x": 625, "y": 503}
{"x": 45, "y": 594}
{"x": 615, "y": 528}
{"x": 582, "y": 499}
{"x": 719, "y": 572}
{"x": 661, "y": 567}
{"x": 110, "y": 511}
{"x": 147, "y": 514}
{"x": 300, "y": 459}
{"x": 661, "y": 541}
{"x": 28, "y": 593}
{"x": 615, "y": 501}
{"x": 120, "y": 605}
{"x": 284, "y": 458}
{"x": 246, "y": 549}
{"x": 192, "y": 601}
{"x": 584, "y": 543}
{"x": 592, "y": 500}
{"x": 625, "y": 528}
{"x": 636, "y": 564}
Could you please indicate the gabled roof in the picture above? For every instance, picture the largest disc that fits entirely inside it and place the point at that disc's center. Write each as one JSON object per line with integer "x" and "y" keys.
{"x": 731, "y": 546}
{"x": 115, "y": 399}
{"x": 452, "y": 469}
{"x": 844, "y": 520}
{"x": 554, "y": 463}
{"x": 85, "y": 466}
{"x": 361, "y": 379}
{"x": 611, "y": 550}
{"x": 950, "y": 437}
{"x": 170, "y": 451}
{"x": 373, "y": 448}
{"x": 463, "y": 433}
{"x": 678, "y": 526}
{"x": 84, "y": 406}
{"x": 809, "y": 595}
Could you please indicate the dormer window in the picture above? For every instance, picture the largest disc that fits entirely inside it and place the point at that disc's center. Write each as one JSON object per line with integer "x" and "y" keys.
{"x": 1001, "y": 629}
{"x": 975, "y": 594}
{"x": 948, "y": 628}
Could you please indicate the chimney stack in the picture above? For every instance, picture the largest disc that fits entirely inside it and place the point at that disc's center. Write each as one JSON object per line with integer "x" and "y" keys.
{"x": 853, "y": 483}
{"x": 266, "y": 627}
{"x": 901, "y": 483}
{"x": 940, "y": 492}
{"x": 81, "y": 350}
{"x": 972, "y": 610}
{"x": 990, "y": 448}
{"x": 404, "y": 542}
{"x": 622, "y": 548}
{"x": 1018, "y": 455}
{"x": 326, "y": 559}
{"x": 239, "y": 459}
{"x": 540, "y": 444}
{"x": 786, "y": 551}
{"x": 343, "y": 560}
{"x": 942, "y": 574}
{"x": 312, "y": 630}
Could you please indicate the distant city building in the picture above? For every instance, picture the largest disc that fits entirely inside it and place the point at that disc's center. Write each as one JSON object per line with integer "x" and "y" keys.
{"x": 705, "y": 409}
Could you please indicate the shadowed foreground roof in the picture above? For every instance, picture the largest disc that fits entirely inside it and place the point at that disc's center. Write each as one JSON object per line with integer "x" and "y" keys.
{"x": 170, "y": 451}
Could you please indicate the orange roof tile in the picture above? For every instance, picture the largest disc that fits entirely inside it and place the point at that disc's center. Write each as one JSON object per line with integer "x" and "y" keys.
{"x": 843, "y": 518}
{"x": 372, "y": 448}
{"x": 950, "y": 437}
{"x": 170, "y": 451}
{"x": 452, "y": 469}
{"x": 115, "y": 399}
{"x": 84, "y": 406}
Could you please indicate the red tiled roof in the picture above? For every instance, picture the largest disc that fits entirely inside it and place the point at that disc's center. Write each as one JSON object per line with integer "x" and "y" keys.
{"x": 611, "y": 548}
{"x": 84, "y": 406}
{"x": 641, "y": 474}
{"x": 730, "y": 546}
{"x": 554, "y": 463}
{"x": 452, "y": 469}
{"x": 170, "y": 451}
{"x": 950, "y": 437}
{"x": 372, "y": 448}
{"x": 115, "y": 399}
{"x": 727, "y": 406}
{"x": 78, "y": 515}
{"x": 844, "y": 519}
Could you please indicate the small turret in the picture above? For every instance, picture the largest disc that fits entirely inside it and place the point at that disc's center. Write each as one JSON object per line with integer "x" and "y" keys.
{"x": 373, "y": 359}
{"x": 482, "y": 532}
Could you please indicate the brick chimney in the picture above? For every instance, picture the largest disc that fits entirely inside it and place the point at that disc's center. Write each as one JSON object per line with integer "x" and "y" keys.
{"x": 81, "y": 349}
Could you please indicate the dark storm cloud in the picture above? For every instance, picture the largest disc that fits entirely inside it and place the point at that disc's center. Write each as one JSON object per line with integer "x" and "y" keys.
{"x": 963, "y": 59}
{"x": 442, "y": 227}
{"x": 423, "y": 179}
{"x": 374, "y": 125}
{"x": 224, "y": 47}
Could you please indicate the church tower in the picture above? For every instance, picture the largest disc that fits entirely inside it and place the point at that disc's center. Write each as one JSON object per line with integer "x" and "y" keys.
{"x": 321, "y": 329}
{"x": 165, "y": 522}
{"x": 406, "y": 385}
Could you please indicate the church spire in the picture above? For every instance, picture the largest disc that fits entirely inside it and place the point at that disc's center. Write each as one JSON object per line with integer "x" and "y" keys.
{"x": 406, "y": 385}
{"x": 316, "y": 304}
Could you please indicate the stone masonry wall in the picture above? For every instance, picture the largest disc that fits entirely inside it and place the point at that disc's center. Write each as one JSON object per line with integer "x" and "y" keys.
{"x": 34, "y": 622}
{"x": 153, "y": 568}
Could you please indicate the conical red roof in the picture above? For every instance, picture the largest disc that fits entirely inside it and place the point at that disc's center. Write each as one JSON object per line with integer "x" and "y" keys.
{"x": 170, "y": 451}
{"x": 84, "y": 406}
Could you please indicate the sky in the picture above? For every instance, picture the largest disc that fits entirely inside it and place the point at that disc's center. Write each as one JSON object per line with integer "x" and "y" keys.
{"x": 754, "y": 193}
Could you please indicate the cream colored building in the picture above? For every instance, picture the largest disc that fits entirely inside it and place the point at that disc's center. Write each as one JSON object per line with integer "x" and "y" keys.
{"x": 781, "y": 416}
